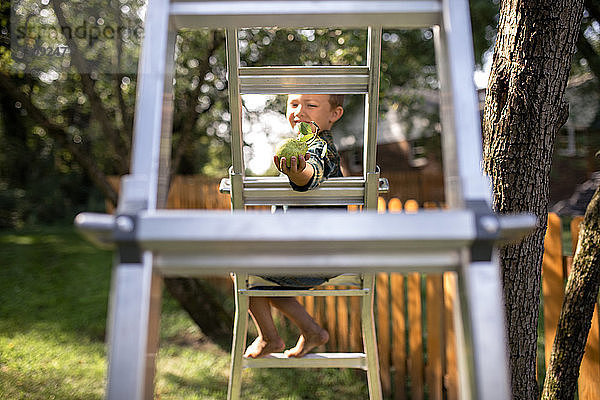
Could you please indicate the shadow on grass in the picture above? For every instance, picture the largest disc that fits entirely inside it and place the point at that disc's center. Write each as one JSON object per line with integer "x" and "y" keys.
{"x": 307, "y": 384}
{"x": 207, "y": 386}
{"x": 272, "y": 384}
{"x": 53, "y": 279}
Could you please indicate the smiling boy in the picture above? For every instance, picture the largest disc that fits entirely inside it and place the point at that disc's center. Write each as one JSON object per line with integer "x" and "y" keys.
{"x": 321, "y": 161}
{"x": 311, "y": 170}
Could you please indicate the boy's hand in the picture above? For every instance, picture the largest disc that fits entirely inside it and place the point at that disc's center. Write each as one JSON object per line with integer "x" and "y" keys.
{"x": 300, "y": 171}
{"x": 297, "y": 166}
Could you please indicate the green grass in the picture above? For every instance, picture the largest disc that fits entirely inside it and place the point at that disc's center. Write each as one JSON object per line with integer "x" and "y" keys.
{"x": 54, "y": 289}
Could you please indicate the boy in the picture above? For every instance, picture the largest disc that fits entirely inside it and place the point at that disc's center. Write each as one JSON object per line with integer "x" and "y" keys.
{"x": 304, "y": 174}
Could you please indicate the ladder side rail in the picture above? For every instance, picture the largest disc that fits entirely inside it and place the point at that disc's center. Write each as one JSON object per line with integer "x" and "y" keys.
{"x": 148, "y": 122}
{"x": 152, "y": 298}
{"x": 370, "y": 171}
{"x": 482, "y": 297}
{"x": 452, "y": 190}
{"x": 236, "y": 172}
{"x": 370, "y": 338}
{"x": 164, "y": 168}
{"x": 135, "y": 292}
{"x": 235, "y": 103}
{"x": 466, "y": 187}
{"x": 461, "y": 105}
{"x": 239, "y": 336}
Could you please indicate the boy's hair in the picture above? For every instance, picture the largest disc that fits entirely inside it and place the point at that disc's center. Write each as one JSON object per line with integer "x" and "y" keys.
{"x": 336, "y": 100}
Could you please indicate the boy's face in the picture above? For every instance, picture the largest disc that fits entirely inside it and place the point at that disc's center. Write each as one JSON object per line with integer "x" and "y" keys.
{"x": 312, "y": 107}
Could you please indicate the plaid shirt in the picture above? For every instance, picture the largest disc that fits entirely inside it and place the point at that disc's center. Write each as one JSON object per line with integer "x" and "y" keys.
{"x": 325, "y": 165}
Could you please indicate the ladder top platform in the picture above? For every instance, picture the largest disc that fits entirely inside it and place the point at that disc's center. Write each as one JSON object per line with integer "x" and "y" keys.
{"x": 196, "y": 242}
{"x": 301, "y": 13}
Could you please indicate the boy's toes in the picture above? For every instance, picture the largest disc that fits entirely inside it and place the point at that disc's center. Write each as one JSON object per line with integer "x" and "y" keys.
{"x": 261, "y": 347}
{"x": 307, "y": 343}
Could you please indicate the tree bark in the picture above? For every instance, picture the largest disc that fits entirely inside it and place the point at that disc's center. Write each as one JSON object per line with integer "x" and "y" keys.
{"x": 577, "y": 310}
{"x": 524, "y": 109}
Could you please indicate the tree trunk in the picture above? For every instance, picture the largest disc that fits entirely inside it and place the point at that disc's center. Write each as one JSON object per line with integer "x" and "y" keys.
{"x": 205, "y": 305}
{"x": 577, "y": 310}
{"x": 524, "y": 109}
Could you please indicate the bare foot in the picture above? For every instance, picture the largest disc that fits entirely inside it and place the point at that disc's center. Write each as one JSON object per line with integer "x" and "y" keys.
{"x": 261, "y": 347}
{"x": 307, "y": 343}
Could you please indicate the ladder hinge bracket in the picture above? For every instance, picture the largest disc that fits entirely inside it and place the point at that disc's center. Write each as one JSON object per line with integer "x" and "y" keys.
{"x": 372, "y": 190}
{"x": 125, "y": 233}
{"x": 487, "y": 230}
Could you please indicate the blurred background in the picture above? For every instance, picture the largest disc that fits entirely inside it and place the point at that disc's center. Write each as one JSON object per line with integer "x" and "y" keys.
{"x": 68, "y": 73}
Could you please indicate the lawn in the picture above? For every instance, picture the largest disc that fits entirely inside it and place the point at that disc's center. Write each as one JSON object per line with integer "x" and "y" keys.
{"x": 54, "y": 290}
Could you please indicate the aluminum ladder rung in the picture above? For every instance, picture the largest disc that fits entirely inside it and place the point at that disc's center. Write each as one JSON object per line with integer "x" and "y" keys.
{"x": 312, "y": 292}
{"x": 188, "y": 243}
{"x": 277, "y": 191}
{"x": 281, "y": 181}
{"x": 311, "y": 360}
{"x": 302, "y": 13}
{"x": 285, "y": 80}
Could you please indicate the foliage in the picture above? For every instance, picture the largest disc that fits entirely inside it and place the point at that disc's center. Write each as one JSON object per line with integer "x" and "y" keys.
{"x": 53, "y": 301}
{"x": 73, "y": 119}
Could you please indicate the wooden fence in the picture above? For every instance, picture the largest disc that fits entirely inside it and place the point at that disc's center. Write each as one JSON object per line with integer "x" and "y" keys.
{"x": 197, "y": 191}
{"x": 415, "y": 331}
{"x": 555, "y": 269}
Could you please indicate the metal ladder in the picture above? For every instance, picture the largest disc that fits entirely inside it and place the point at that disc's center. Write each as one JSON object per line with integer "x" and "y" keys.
{"x": 357, "y": 285}
{"x": 302, "y": 80}
{"x": 272, "y": 191}
{"x": 152, "y": 243}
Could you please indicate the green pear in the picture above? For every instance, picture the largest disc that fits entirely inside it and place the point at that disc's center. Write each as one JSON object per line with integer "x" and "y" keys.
{"x": 296, "y": 147}
{"x": 291, "y": 148}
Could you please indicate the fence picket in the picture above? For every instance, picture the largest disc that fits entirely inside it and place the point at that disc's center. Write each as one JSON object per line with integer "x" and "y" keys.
{"x": 398, "y": 335}
{"x": 589, "y": 372}
{"x": 342, "y": 325}
{"x": 435, "y": 336}
{"x": 355, "y": 325}
{"x": 415, "y": 337}
{"x": 383, "y": 330}
{"x": 330, "y": 307}
{"x": 451, "y": 372}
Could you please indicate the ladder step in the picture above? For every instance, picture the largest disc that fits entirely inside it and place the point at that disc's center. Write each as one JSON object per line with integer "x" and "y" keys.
{"x": 277, "y": 191}
{"x": 312, "y": 360}
{"x": 304, "y": 292}
{"x": 302, "y": 13}
{"x": 278, "y": 80}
